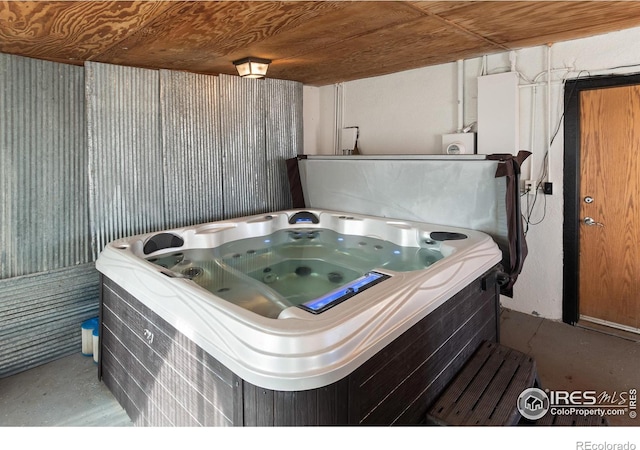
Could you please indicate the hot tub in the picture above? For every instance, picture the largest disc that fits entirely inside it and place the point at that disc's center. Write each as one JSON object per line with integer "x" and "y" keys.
{"x": 236, "y": 322}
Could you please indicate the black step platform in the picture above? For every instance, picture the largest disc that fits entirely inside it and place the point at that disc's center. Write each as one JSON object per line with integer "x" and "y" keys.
{"x": 486, "y": 391}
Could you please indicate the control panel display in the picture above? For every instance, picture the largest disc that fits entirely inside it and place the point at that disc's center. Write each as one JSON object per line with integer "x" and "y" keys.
{"x": 333, "y": 298}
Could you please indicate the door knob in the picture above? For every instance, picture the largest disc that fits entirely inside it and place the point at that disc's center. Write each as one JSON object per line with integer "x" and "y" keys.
{"x": 589, "y": 221}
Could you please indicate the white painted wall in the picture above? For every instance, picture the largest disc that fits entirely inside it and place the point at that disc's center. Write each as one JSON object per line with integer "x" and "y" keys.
{"x": 407, "y": 112}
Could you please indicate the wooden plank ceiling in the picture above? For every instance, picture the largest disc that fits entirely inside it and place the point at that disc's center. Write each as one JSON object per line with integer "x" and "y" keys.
{"x": 314, "y": 42}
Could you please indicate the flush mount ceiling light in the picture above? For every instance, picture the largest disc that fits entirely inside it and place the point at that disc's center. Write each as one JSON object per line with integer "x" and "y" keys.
{"x": 251, "y": 67}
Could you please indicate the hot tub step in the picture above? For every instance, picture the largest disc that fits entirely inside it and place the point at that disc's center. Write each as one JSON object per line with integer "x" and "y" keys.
{"x": 486, "y": 390}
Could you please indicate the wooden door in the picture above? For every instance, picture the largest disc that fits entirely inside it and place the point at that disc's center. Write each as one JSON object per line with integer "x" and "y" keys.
{"x": 609, "y": 261}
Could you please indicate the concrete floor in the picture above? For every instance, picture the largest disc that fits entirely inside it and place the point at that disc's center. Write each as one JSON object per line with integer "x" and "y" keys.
{"x": 572, "y": 358}
{"x": 67, "y": 392}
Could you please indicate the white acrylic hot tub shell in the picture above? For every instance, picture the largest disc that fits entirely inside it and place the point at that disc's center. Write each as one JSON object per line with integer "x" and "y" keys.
{"x": 300, "y": 350}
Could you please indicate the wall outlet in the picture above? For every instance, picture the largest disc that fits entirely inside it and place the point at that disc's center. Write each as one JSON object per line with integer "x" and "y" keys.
{"x": 530, "y": 186}
{"x": 547, "y": 188}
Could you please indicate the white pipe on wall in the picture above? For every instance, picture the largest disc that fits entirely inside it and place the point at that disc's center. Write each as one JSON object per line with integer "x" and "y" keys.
{"x": 338, "y": 112}
{"x": 533, "y": 127}
{"x": 549, "y": 130}
{"x": 460, "y": 95}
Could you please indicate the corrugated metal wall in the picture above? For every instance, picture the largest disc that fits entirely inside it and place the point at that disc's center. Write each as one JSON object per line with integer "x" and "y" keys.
{"x": 242, "y": 128}
{"x": 192, "y": 149}
{"x": 125, "y": 154}
{"x": 41, "y": 314}
{"x": 42, "y": 159}
{"x": 218, "y": 150}
{"x": 261, "y": 128}
{"x": 147, "y": 150}
{"x": 283, "y": 137}
{"x": 47, "y": 283}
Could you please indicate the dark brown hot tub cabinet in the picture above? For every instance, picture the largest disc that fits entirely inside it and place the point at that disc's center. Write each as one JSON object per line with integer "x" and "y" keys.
{"x": 161, "y": 378}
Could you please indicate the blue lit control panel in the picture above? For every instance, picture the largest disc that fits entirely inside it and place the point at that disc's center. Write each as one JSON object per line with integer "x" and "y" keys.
{"x": 321, "y": 304}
